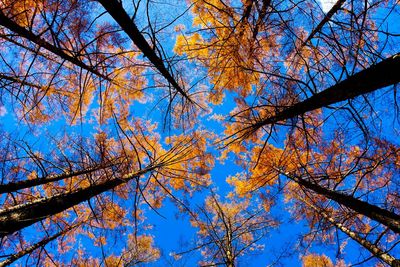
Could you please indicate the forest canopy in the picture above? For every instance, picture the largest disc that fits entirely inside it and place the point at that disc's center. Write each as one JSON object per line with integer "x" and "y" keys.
{"x": 199, "y": 133}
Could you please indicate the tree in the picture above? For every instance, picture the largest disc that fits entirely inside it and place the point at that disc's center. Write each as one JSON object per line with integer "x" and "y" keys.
{"x": 371, "y": 247}
{"x": 309, "y": 107}
{"x": 229, "y": 229}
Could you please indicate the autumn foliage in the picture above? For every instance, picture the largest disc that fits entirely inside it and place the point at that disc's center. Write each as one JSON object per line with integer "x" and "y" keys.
{"x": 247, "y": 118}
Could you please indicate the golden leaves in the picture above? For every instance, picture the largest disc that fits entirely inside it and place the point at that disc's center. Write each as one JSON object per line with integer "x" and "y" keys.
{"x": 141, "y": 249}
{"x": 126, "y": 86}
{"x": 227, "y": 47}
{"x": 190, "y": 168}
{"x": 21, "y": 10}
{"x": 315, "y": 260}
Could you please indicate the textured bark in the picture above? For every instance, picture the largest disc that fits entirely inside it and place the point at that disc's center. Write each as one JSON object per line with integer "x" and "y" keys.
{"x": 374, "y": 249}
{"x": 21, "y": 216}
{"x": 14, "y": 186}
{"x": 385, "y": 217}
{"x": 21, "y": 31}
{"x": 383, "y": 74}
{"x": 230, "y": 257}
{"x": 116, "y": 10}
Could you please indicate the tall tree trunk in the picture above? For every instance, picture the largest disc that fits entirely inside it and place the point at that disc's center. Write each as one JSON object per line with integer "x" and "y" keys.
{"x": 375, "y": 250}
{"x": 117, "y": 11}
{"x": 385, "y": 217}
{"x": 383, "y": 74}
{"x": 14, "y": 186}
{"x": 326, "y": 19}
{"x": 261, "y": 16}
{"x": 20, "y": 216}
{"x": 230, "y": 257}
{"x": 40, "y": 244}
{"x": 21, "y": 31}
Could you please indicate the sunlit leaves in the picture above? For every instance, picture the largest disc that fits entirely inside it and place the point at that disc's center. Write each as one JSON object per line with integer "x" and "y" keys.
{"x": 314, "y": 260}
{"x": 66, "y": 65}
{"x": 229, "y": 229}
{"x": 226, "y": 45}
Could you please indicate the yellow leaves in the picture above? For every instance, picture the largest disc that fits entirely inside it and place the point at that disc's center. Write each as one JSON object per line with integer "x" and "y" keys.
{"x": 126, "y": 87}
{"x": 179, "y": 28}
{"x": 21, "y": 10}
{"x": 113, "y": 215}
{"x": 101, "y": 241}
{"x": 80, "y": 95}
{"x": 189, "y": 165}
{"x": 36, "y": 113}
{"x": 247, "y": 238}
{"x": 193, "y": 46}
{"x": 315, "y": 260}
{"x": 32, "y": 175}
{"x": 227, "y": 47}
{"x": 90, "y": 235}
{"x": 242, "y": 187}
{"x": 113, "y": 260}
{"x": 177, "y": 183}
{"x": 144, "y": 242}
{"x": 211, "y": 12}
{"x": 141, "y": 249}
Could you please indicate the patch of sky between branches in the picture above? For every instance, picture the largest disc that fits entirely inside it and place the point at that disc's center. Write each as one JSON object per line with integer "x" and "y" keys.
{"x": 326, "y": 5}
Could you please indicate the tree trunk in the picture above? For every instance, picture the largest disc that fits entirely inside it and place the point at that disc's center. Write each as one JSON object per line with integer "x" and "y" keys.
{"x": 14, "y": 186}
{"x": 32, "y": 248}
{"x": 116, "y": 10}
{"x": 375, "y": 250}
{"x": 230, "y": 260}
{"x": 21, "y": 216}
{"x": 385, "y": 73}
{"x": 326, "y": 19}
{"x": 385, "y": 217}
{"x": 13, "y": 79}
{"x": 21, "y": 31}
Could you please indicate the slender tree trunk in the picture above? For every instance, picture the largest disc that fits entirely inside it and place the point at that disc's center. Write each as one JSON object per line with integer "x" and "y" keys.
{"x": 14, "y": 186}
{"x": 247, "y": 6}
{"x": 116, "y": 10}
{"x": 32, "y": 248}
{"x": 385, "y": 217}
{"x": 327, "y": 18}
{"x": 383, "y": 74}
{"x": 13, "y": 79}
{"x": 230, "y": 260}
{"x": 375, "y": 250}
{"x": 261, "y": 16}
{"x": 21, "y": 31}
{"x": 20, "y": 216}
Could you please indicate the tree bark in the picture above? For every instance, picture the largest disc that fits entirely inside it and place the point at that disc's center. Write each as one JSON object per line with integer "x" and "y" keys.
{"x": 385, "y": 73}
{"x": 326, "y": 19}
{"x": 116, "y": 10}
{"x": 385, "y": 217}
{"x": 32, "y": 248}
{"x": 21, "y": 216}
{"x": 375, "y": 250}
{"x": 13, "y": 80}
{"x": 14, "y": 186}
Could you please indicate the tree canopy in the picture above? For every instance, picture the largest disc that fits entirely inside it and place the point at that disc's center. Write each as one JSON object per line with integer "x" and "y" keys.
{"x": 250, "y": 120}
